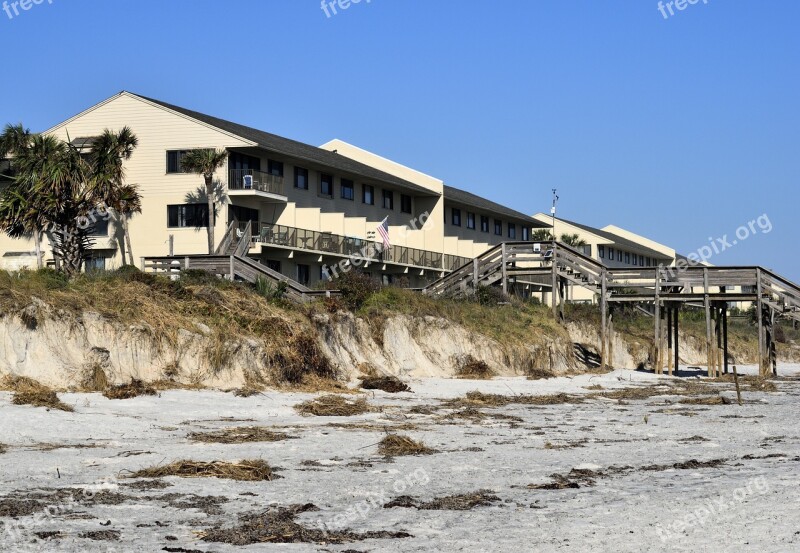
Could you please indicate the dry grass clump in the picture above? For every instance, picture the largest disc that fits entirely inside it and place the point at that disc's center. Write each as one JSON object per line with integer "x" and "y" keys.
{"x": 95, "y": 379}
{"x": 2, "y": 449}
{"x": 127, "y": 391}
{"x": 460, "y": 502}
{"x": 277, "y": 525}
{"x": 238, "y": 435}
{"x": 247, "y": 391}
{"x": 334, "y": 406}
{"x": 299, "y": 358}
{"x": 473, "y": 369}
{"x": 750, "y": 383}
{"x": 395, "y": 445}
{"x": 390, "y": 384}
{"x": 539, "y": 374}
{"x": 705, "y": 400}
{"x": 29, "y": 392}
{"x": 249, "y": 470}
{"x": 476, "y": 398}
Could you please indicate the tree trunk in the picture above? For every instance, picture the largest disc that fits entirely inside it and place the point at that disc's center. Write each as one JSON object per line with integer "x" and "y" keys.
{"x": 71, "y": 247}
{"x": 126, "y": 241}
{"x": 37, "y": 240}
{"x": 122, "y": 245}
{"x": 210, "y": 198}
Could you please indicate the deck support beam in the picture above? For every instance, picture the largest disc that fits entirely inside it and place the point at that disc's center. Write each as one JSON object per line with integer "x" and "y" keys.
{"x": 658, "y": 368}
{"x": 676, "y": 334}
{"x": 603, "y": 319}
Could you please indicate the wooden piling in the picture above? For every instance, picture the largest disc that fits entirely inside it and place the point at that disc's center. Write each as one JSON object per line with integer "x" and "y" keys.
{"x": 603, "y": 317}
{"x": 709, "y": 330}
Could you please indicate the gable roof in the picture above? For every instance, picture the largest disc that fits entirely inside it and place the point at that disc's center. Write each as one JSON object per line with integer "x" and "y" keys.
{"x": 295, "y": 149}
{"x": 617, "y": 239}
{"x": 469, "y": 199}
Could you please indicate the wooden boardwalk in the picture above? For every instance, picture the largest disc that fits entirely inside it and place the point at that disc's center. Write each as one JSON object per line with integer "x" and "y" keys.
{"x": 556, "y": 267}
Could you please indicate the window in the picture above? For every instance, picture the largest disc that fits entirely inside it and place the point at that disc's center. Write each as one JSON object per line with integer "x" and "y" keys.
{"x": 348, "y": 190}
{"x": 471, "y": 220}
{"x": 405, "y": 203}
{"x": 611, "y": 254}
{"x": 303, "y": 274}
{"x": 274, "y": 264}
{"x": 649, "y": 262}
{"x": 512, "y": 231}
{"x": 187, "y": 215}
{"x": 641, "y": 261}
{"x": 619, "y": 255}
{"x": 456, "y": 217}
{"x": 526, "y": 234}
{"x": 275, "y": 168}
{"x": 326, "y": 185}
{"x": 99, "y": 228}
{"x": 484, "y": 223}
{"x": 368, "y": 196}
{"x": 498, "y": 227}
{"x": 301, "y": 178}
{"x": 627, "y": 258}
{"x": 174, "y": 161}
{"x": 94, "y": 264}
{"x": 601, "y": 251}
{"x": 243, "y": 215}
{"x": 237, "y": 161}
{"x": 388, "y": 199}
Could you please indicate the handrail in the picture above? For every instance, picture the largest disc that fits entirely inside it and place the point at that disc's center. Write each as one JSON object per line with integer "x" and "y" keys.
{"x": 244, "y": 241}
{"x": 226, "y": 242}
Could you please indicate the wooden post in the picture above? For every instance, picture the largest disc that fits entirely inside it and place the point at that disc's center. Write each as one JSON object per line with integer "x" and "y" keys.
{"x": 657, "y": 367}
{"x": 554, "y": 289}
{"x": 709, "y": 330}
{"x": 603, "y": 317}
{"x": 504, "y": 268}
{"x": 762, "y": 370}
{"x": 676, "y": 334}
{"x": 669, "y": 339}
{"x": 611, "y": 341}
{"x": 773, "y": 351}
{"x": 720, "y": 360}
{"x": 725, "y": 337}
{"x": 475, "y": 275}
{"x": 232, "y": 270}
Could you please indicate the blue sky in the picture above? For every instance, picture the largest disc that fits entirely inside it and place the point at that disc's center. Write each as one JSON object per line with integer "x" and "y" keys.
{"x": 682, "y": 129}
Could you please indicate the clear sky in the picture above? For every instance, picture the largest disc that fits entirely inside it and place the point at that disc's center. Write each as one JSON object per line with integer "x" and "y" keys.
{"x": 681, "y": 128}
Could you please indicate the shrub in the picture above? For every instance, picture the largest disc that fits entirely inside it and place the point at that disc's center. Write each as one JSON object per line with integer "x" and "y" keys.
{"x": 271, "y": 290}
{"x": 490, "y": 295}
{"x": 356, "y": 288}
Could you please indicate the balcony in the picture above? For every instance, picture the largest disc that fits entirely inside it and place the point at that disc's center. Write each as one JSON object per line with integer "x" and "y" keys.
{"x": 250, "y": 180}
{"x": 326, "y": 242}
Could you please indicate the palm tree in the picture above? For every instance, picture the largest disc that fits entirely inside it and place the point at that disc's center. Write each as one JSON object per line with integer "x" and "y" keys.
{"x": 127, "y": 201}
{"x": 573, "y": 240}
{"x": 541, "y": 235}
{"x": 16, "y": 206}
{"x": 109, "y": 151}
{"x": 206, "y": 162}
{"x": 55, "y": 189}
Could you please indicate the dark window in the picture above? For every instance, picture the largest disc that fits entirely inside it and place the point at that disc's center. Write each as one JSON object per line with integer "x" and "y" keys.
{"x": 405, "y": 203}
{"x": 611, "y": 254}
{"x": 498, "y": 227}
{"x": 301, "y": 178}
{"x": 627, "y": 258}
{"x": 601, "y": 251}
{"x": 187, "y": 215}
{"x": 456, "y": 217}
{"x": 303, "y": 274}
{"x": 237, "y": 161}
{"x": 484, "y": 223}
{"x": 326, "y": 185}
{"x": 243, "y": 214}
{"x": 348, "y": 190}
{"x": 512, "y": 231}
{"x": 641, "y": 261}
{"x": 388, "y": 199}
{"x": 99, "y": 227}
{"x": 94, "y": 264}
{"x": 368, "y": 196}
{"x": 526, "y": 234}
{"x": 174, "y": 161}
{"x": 648, "y": 262}
{"x": 471, "y": 220}
{"x": 275, "y": 167}
{"x": 274, "y": 264}
{"x": 619, "y": 255}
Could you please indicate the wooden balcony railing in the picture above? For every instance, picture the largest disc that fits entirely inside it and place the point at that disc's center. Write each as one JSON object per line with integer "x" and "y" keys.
{"x": 250, "y": 179}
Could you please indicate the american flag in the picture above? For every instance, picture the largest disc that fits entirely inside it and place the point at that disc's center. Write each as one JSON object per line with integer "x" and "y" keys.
{"x": 383, "y": 230}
